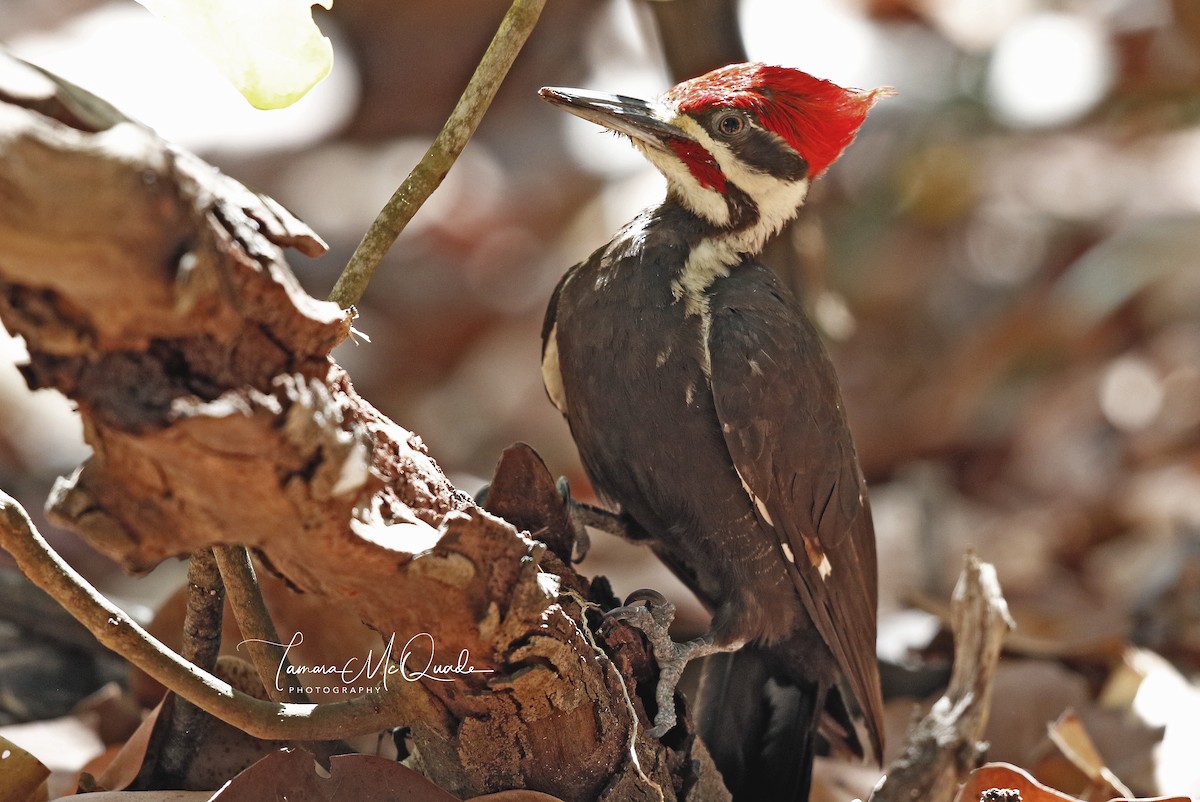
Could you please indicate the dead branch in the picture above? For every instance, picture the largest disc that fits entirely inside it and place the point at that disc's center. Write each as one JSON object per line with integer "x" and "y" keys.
{"x": 945, "y": 746}
{"x": 116, "y": 630}
{"x": 254, "y": 622}
{"x": 152, "y": 290}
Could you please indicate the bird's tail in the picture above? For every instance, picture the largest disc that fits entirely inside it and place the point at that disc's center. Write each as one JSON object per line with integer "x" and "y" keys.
{"x": 760, "y": 728}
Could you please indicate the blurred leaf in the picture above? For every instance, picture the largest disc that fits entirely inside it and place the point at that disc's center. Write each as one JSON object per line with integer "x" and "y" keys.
{"x": 1072, "y": 739}
{"x": 1009, "y": 777}
{"x": 127, "y": 763}
{"x": 62, "y": 744}
{"x": 270, "y": 50}
{"x": 139, "y": 796}
{"x": 293, "y": 774}
{"x": 20, "y": 772}
{"x": 1134, "y": 258}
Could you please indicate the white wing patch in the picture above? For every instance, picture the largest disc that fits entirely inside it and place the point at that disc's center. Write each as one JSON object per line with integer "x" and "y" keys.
{"x": 787, "y": 552}
{"x": 817, "y": 557}
{"x": 552, "y": 372}
{"x": 758, "y": 504}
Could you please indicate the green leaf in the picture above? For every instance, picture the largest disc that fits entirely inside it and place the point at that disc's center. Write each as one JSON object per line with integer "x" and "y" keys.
{"x": 270, "y": 50}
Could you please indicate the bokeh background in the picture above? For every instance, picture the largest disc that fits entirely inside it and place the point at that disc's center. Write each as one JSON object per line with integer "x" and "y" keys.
{"x": 1005, "y": 266}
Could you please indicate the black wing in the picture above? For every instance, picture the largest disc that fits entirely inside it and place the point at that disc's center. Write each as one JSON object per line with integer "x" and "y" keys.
{"x": 780, "y": 409}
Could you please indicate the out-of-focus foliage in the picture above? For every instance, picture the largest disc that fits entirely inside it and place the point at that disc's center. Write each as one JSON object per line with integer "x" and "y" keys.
{"x": 269, "y": 49}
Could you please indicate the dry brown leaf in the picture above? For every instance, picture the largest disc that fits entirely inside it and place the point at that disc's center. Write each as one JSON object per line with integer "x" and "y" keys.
{"x": 1073, "y": 740}
{"x": 294, "y": 774}
{"x": 97, "y": 766}
{"x": 1007, "y": 776}
{"x": 520, "y": 795}
{"x": 1028, "y": 695}
{"x": 20, "y": 772}
{"x": 123, "y": 769}
{"x": 223, "y": 752}
{"x": 62, "y": 744}
{"x": 139, "y": 796}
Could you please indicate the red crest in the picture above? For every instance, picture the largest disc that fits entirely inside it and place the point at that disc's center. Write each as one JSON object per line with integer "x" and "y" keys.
{"x": 817, "y": 118}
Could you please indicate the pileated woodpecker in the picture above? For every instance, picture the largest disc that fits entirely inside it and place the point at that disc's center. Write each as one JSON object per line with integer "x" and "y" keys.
{"x": 704, "y": 405}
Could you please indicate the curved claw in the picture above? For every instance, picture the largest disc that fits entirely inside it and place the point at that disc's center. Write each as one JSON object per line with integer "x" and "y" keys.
{"x": 648, "y": 595}
{"x": 582, "y": 543}
{"x": 564, "y": 489}
{"x": 653, "y": 618}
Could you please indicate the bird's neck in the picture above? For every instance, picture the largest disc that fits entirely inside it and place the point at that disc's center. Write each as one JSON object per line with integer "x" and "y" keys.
{"x": 715, "y": 247}
{"x": 747, "y": 216}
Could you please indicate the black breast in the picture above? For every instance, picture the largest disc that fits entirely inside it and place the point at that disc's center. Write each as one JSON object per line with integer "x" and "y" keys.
{"x": 641, "y": 410}
{"x": 637, "y": 397}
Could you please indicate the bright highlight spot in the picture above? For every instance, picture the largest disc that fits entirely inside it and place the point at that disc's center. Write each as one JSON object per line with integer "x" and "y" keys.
{"x": 1131, "y": 394}
{"x": 271, "y": 50}
{"x": 1050, "y": 69}
{"x": 150, "y": 72}
{"x": 976, "y": 24}
{"x": 842, "y": 52}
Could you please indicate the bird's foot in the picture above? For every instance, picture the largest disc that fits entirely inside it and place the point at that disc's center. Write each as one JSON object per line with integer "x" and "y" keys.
{"x": 654, "y": 620}
{"x": 582, "y": 515}
{"x": 582, "y": 542}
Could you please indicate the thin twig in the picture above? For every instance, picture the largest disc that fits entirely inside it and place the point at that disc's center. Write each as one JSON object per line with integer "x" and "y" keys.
{"x": 201, "y": 644}
{"x": 450, "y": 141}
{"x": 254, "y": 620}
{"x": 361, "y": 715}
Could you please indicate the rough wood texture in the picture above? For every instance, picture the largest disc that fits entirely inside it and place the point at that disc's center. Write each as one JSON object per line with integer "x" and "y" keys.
{"x": 152, "y": 290}
{"x": 946, "y": 745}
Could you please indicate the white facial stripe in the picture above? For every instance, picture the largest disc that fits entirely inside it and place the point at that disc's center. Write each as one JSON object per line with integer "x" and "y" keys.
{"x": 777, "y": 200}
{"x": 704, "y": 201}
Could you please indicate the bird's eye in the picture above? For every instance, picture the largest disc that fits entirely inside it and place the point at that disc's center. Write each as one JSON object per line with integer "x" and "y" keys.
{"x": 731, "y": 124}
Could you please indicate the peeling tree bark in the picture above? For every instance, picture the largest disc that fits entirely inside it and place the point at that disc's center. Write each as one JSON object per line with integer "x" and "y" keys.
{"x": 152, "y": 290}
